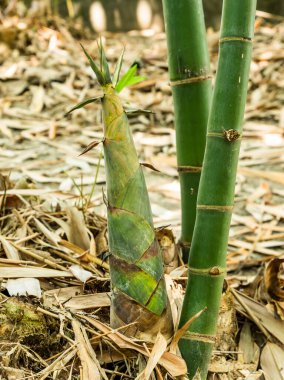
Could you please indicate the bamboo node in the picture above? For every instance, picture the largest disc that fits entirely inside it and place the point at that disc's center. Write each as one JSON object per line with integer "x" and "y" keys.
{"x": 211, "y": 272}
{"x": 215, "y": 208}
{"x": 241, "y": 39}
{"x": 189, "y": 169}
{"x": 215, "y": 271}
{"x": 227, "y": 134}
{"x": 190, "y": 80}
{"x": 231, "y": 134}
{"x": 206, "y": 338}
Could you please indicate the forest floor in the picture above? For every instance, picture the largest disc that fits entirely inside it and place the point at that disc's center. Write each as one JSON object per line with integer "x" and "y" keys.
{"x": 54, "y": 299}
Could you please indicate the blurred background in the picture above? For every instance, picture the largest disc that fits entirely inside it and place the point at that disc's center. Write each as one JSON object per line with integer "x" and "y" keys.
{"x": 121, "y": 15}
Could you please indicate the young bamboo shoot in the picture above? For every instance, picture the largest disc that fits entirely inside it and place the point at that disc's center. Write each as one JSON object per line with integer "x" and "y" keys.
{"x": 136, "y": 266}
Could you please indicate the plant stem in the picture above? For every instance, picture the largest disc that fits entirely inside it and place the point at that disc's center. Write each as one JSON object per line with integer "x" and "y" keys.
{"x": 189, "y": 69}
{"x": 207, "y": 261}
{"x": 95, "y": 180}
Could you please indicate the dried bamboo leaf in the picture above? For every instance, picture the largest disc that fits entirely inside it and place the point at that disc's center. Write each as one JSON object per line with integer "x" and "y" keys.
{"x": 159, "y": 348}
{"x": 50, "y": 235}
{"x": 9, "y": 249}
{"x": 178, "y": 335}
{"x": 88, "y": 301}
{"x": 271, "y": 361}
{"x": 90, "y": 366}
{"x": 60, "y": 361}
{"x": 273, "y": 325}
{"x": 172, "y": 363}
{"x": 80, "y": 273}
{"x": 78, "y": 233}
{"x": 273, "y": 283}
{"x": 8, "y": 272}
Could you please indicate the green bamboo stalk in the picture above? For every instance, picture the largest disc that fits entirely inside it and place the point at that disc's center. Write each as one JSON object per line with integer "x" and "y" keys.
{"x": 207, "y": 261}
{"x": 136, "y": 266}
{"x": 189, "y": 70}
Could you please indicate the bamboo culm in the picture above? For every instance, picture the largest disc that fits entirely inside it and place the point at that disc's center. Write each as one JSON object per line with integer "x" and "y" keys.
{"x": 189, "y": 70}
{"x": 207, "y": 261}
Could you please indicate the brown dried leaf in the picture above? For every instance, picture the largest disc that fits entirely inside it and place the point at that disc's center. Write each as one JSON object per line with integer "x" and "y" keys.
{"x": 150, "y": 166}
{"x": 14, "y": 272}
{"x": 264, "y": 318}
{"x": 50, "y": 235}
{"x": 9, "y": 249}
{"x": 60, "y": 295}
{"x": 90, "y": 147}
{"x": 249, "y": 351}
{"x": 88, "y": 301}
{"x": 178, "y": 335}
{"x": 271, "y": 361}
{"x": 78, "y": 233}
{"x": 172, "y": 363}
{"x": 101, "y": 242}
{"x": 175, "y": 296}
{"x": 273, "y": 283}
{"x": 159, "y": 348}
{"x": 169, "y": 249}
{"x": 91, "y": 369}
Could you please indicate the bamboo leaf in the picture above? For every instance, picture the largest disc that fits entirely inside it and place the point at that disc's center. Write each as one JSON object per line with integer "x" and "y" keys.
{"x": 95, "y": 68}
{"x": 82, "y": 104}
{"x": 10, "y": 251}
{"x": 117, "y": 69}
{"x": 80, "y": 273}
{"x": 272, "y": 280}
{"x": 91, "y": 368}
{"x": 272, "y": 361}
{"x": 173, "y": 364}
{"x": 129, "y": 79}
{"x": 159, "y": 348}
{"x": 92, "y": 145}
{"x": 180, "y": 332}
{"x": 104, "y": 63}
{"x": 137, "y": 111}
{"x": 150, "y": 166}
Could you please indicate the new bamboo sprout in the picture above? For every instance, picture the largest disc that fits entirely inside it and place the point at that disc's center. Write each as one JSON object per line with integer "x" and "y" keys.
{"x": 136, "y": 267}
{"x": 189, "y": 70}
{"x": 207, "y": 261}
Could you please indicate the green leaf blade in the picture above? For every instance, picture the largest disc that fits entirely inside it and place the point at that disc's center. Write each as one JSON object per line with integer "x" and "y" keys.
{"x": 104, "y": 64}
{"x": 117, "y": 69}
{"x": 95, "y": 68}
{"x": 128, "y": 79}
{"x": 82, "y": 104}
